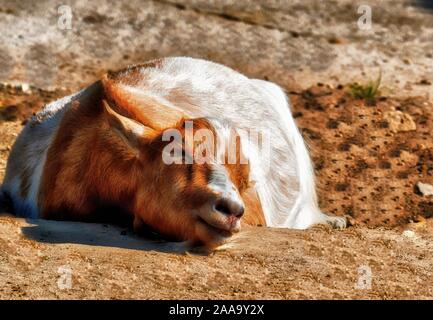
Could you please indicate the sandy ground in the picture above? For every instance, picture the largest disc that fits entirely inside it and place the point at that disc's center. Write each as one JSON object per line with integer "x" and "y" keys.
{"x": 261, "y": 264}
{"x": 367, "y": 160}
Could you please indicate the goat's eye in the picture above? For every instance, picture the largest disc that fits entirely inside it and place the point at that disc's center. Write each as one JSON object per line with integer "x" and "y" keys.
{"x": 189, "y": 172}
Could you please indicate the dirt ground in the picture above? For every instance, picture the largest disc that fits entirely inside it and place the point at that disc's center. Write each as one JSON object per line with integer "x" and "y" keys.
{"x": 261, "y": 264}
{"x": 369, "y": 156}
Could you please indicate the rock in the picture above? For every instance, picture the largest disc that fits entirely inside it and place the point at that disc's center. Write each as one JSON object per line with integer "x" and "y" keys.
{"x": 425, "y": 189}
{"x": 17, "y": 86}
{"x": 346, "y": 130}
{"x": 399, "y": 121}
{"x": 408, "y": 234}
{"x": 409, "y": 159}
{"x": 25, "y": 87}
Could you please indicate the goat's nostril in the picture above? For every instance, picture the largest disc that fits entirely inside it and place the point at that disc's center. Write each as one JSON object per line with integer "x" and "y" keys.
{"x": 240, "y": 212}
{"x": 222, "y": 207}
{"x": 229, "y": 207}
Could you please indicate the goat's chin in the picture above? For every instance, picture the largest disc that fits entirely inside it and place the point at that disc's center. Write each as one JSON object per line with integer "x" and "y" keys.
{"x": 211, "y": 236}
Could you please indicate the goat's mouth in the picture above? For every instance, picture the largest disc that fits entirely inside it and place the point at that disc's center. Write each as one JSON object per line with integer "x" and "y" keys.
{"x": 218, "y": 232}
{"x": 215, "y": 228}
{"x": 219, "y": 225}
{"x": 222, "y": 222}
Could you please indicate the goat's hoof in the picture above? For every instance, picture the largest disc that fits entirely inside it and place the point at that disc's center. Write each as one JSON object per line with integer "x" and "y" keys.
{"x": 336, "y": 222}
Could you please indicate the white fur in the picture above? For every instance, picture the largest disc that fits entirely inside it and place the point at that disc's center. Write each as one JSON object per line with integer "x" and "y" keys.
{"x": 222, "y": 185}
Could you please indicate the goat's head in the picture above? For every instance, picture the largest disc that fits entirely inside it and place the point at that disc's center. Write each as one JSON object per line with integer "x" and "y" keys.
{"x": 190, "y": 176}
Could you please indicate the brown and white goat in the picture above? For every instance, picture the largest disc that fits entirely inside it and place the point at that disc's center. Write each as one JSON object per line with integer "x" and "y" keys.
{"x": 101, "y": 151}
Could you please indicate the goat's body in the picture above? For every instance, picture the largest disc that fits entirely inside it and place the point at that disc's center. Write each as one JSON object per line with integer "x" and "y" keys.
{"x": 28, "y": 156}
{"x": 197, "y": 88}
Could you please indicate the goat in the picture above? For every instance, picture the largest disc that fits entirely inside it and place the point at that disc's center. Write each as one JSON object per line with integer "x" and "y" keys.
{"x": 101, "y": 152}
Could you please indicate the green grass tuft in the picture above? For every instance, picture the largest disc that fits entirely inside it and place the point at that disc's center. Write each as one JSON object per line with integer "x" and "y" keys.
{"x": 367, "y": 91}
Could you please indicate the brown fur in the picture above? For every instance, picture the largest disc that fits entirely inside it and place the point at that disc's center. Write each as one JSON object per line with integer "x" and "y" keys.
{"x": 253, "y": 210}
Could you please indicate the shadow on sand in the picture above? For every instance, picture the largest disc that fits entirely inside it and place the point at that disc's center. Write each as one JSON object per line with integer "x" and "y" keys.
{"x": 426, "y": 4}
{"x": 95, "y": 234}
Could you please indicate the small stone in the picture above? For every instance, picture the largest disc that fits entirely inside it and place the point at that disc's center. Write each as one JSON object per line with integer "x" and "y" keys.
{"x": 408, "y": 234}
{"x": 25, "y": 87}
{"x": 425, "y": 189}
{"x": 20, "y": 86}
{"x": 399, "y": 121}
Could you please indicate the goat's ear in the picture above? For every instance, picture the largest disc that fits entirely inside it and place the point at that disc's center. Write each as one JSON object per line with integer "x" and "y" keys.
{"x": 130, "y": 131}
{"x": 131, "y": 95}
